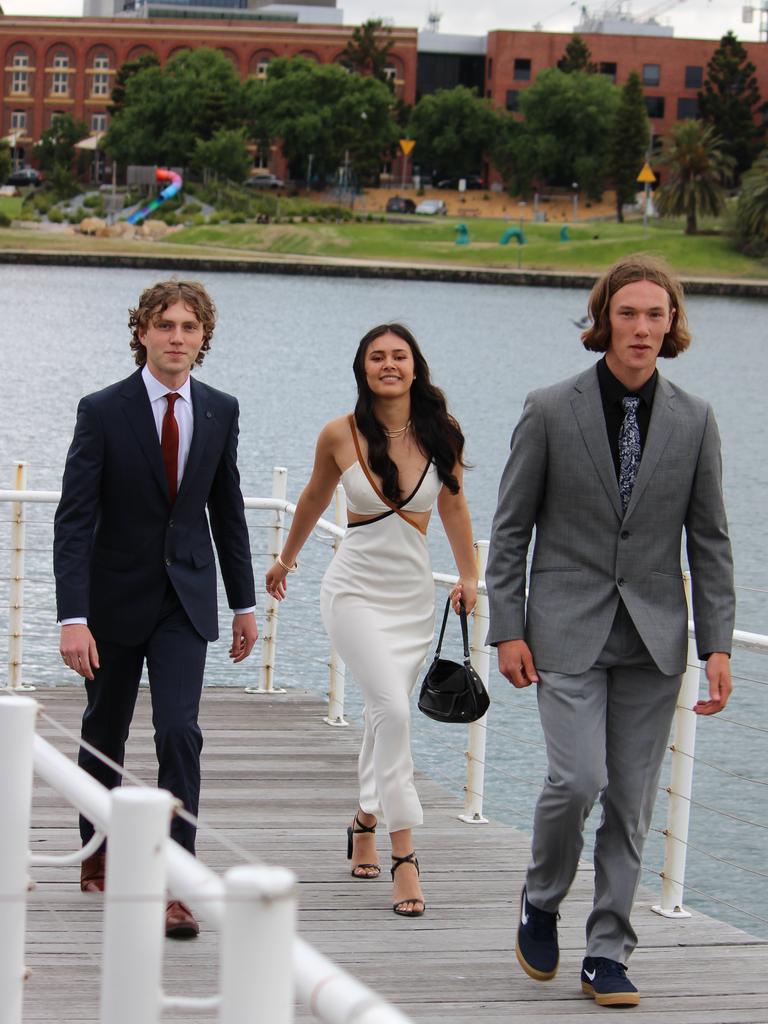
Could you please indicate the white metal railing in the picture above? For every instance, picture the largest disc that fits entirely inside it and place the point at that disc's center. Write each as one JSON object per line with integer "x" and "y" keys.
{"x": 262, "y": 962}
{"x": 682, "y": 744}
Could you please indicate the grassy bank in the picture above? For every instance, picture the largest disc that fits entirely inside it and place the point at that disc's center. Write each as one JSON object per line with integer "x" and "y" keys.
{"x": 590, "y": 246}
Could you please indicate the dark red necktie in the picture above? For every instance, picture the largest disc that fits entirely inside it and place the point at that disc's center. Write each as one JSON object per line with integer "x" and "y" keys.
{"x": 169, "y": 445}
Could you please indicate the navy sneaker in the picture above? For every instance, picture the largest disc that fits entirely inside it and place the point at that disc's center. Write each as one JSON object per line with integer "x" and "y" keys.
{"x": 536, "y": 947}
{"x": 607, "y": 982}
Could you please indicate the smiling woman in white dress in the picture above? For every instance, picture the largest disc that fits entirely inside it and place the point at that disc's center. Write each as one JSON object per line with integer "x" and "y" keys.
{"x": 397, "y": 455}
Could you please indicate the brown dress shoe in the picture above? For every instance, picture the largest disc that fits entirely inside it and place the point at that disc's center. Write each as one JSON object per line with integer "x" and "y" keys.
{"x": 92, "y": 873}
{"x": 179, "y": 922}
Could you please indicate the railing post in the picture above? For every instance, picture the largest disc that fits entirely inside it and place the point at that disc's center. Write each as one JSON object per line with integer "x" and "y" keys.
{"x": 17, "y": 733}
{"x": 481, "y": 659}
{"x": 275, "y": 542}
{"x": 336, "y": 668}
{"x": 134, "y": 906}
{"x": 16, "y": 589}
{"x": 257, "y": 945}
{"x": 680, "y": 785}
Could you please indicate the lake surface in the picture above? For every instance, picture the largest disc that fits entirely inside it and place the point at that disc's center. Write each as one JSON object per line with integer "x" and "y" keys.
{"x": 284, "y": 346}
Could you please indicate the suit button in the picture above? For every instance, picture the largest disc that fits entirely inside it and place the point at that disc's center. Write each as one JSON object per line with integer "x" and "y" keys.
{"x": 169, "y": 561}
{"x": 172, "y": 523}
{"x": 624, "y": 533}
{"x": 620, "y": 581}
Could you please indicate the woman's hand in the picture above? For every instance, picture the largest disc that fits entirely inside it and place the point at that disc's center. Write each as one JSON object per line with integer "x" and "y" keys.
{"x": 466, "y": 591}
{"x": 276, "y": 581}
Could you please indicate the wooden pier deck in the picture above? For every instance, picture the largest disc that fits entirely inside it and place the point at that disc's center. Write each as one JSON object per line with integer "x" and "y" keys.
{"x": 280, "y": 784}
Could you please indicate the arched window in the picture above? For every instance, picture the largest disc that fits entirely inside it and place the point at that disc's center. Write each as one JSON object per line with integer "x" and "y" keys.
{"x": 60, "y": 80}
{"x": 20, "y": 79}
{"x": 100, "y": 78}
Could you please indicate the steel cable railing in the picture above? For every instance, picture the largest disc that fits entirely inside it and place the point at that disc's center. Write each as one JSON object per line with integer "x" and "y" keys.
{"x": 295, "y": 652}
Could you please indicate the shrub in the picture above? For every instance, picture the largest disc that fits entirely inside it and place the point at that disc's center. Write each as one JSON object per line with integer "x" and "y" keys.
{"x": 55, "y": 215}
{"x": 92, "y": 200}
{"x": 5, "y": 220}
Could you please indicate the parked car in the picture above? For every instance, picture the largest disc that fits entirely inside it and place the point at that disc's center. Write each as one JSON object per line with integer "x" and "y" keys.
{"x": 25, "y": 176}
{"x": 265, "y": 181}
{"x": 431, "y": 207}
{"x": 398, "y": 204}
{"x": 472, "y": 180}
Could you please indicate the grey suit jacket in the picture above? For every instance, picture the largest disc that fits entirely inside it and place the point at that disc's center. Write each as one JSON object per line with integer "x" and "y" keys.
{"x": 560, "y": 479}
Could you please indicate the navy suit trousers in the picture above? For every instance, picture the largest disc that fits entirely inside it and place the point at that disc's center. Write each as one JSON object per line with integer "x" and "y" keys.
{"x": 175, "y": 656}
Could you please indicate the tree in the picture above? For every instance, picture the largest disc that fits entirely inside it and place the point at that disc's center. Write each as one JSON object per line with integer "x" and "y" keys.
{"x": 628, "y": 142}
{"x": 752, "y": 208}
{"x": 126, "y": 71}
{"x": 6, "y": 162}
{"x": 166, "y": 110}
{"x": 699, "y": 164}
{"x": 323, "y": 112}
{"x": 367, "y": 51}
{"x": 224, "y": 155}
{"x": 56, "y": 153}
{"x": 564, "y": 139}
{"x": 453, "y": 130}
{"x": 577, "y": 57}
{"x": 730, "y": 102}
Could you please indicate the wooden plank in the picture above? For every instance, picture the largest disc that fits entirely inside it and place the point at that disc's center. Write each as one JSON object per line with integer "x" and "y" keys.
{"x": 280, "y": 786}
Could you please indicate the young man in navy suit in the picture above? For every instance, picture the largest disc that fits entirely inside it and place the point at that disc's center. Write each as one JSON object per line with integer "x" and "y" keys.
{"x": 133, "y": 558}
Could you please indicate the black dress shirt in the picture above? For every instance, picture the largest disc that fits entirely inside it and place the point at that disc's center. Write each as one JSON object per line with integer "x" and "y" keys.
{"x": 612, "y": 391}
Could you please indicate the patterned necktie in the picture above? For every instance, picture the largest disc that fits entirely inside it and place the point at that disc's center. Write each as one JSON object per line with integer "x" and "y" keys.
{"x": 169, "y": 445}
{"x": 629, "y": 449}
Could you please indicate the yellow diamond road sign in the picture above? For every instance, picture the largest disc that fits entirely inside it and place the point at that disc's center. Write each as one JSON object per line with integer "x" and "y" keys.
{"x": 407, "y": 145}
{"x": 646, "y": 174}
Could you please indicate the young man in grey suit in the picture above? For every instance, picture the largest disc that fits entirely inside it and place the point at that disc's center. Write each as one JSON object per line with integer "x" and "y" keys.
{"x": 610, "y": 467}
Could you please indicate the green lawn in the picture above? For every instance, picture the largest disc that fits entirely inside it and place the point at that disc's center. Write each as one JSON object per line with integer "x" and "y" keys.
{"x": 10, "y": 205}
{"x": 590, "y": 246}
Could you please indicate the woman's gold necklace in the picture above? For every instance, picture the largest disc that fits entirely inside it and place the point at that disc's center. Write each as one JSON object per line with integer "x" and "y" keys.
{"x": 396, "y": 433}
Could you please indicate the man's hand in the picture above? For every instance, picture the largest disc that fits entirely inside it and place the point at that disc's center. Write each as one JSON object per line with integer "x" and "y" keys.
{"x": 244, "y": 635}
{"x": 516, "y": 663}
{"x": 720, "y": 685}
{"x": 78, "y": 649}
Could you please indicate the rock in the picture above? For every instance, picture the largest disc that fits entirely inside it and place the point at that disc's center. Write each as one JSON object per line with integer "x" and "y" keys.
{"x": 91, "y": 225}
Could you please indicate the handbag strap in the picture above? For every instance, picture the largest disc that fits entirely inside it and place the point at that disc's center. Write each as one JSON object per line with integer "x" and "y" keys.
{"x": 464, "y": 630}
{"x": 363, "y": 465}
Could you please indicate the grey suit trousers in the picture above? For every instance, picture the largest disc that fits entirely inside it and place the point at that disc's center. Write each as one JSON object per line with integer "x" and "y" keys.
{"x": 606, "y": 731}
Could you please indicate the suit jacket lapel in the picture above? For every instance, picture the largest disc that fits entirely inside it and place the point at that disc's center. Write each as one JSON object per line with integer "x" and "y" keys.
{"x": 587, "y": 407}
{"x": 138, "y": 412}
{"x": 659, "y": 429}
{"x": 203, "y": 421}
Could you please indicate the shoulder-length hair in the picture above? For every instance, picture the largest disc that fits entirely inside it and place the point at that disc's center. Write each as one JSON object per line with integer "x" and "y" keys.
{"x": 155, "y": 300}
{"x": 637, "y": 267}
{"x": 438, "y": 434}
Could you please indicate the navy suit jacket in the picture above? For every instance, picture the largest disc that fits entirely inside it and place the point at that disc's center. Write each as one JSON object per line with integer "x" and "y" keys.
{"x": 117, "y": 537}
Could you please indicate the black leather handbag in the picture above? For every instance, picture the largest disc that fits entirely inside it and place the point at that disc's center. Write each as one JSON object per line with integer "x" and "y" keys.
{"x": 452, "y": 692}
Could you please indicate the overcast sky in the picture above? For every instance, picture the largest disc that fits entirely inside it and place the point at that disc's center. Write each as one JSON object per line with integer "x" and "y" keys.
{"x": 695, "y": 18}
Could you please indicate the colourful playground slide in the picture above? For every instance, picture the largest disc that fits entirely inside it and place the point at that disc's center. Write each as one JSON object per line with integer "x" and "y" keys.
{"x": 161, "y": 174}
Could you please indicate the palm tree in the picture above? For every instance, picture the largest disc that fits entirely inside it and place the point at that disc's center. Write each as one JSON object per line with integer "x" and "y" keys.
{"x": 699, "y": 168}
{"x": 752, "y": 209}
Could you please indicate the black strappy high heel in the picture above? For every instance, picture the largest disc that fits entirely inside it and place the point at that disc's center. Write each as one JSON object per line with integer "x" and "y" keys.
{"x": 409, "y": 858}
{"x": 358, "y": 828}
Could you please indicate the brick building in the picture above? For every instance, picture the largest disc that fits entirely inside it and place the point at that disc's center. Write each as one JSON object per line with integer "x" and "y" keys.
{"x": 672, "y": 70}
{"x": 68, "y": 65}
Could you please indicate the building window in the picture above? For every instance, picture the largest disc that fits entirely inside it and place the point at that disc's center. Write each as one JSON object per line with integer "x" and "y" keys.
{"x": 513, "y": 97}
{"x": 60, "y": 86}
{"x": 655, "y": 106}
{"x": 390, "y": 73}
{"x": 522, "y": 69}
{"x": 100, "y": 83}
{"x": 98, "y": 123}
{"x": 20, "y": 81}
{"x": 490, "y": 68}
{"x": 608, "y": 68}
{"x": 694, "y": 76}
{"x": 18, "y": 120}
{"x": 261, "y": 69}
{"x": 651, "y": 74}
{"x": 687, "y": 107}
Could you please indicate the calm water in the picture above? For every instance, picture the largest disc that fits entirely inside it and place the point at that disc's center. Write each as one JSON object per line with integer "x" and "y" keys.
{"x": 284, "y": 345}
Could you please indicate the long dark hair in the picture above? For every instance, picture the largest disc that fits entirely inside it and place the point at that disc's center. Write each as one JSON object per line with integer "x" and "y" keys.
{"x": 437, "y": 433}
